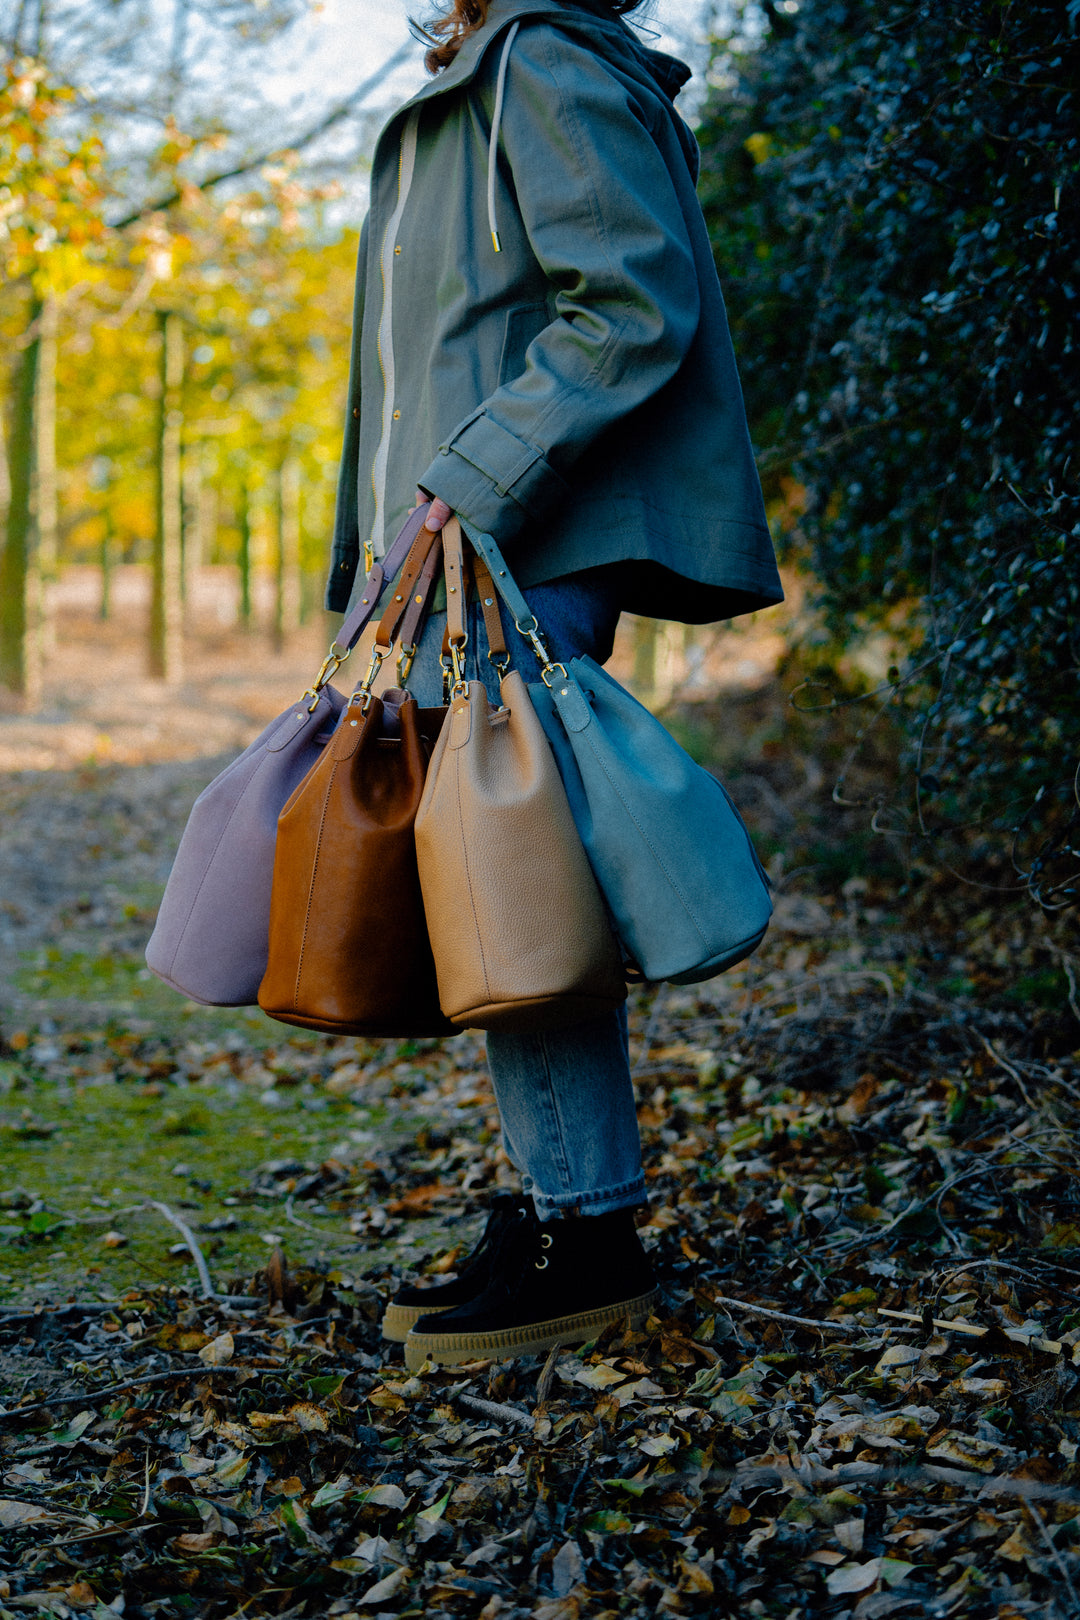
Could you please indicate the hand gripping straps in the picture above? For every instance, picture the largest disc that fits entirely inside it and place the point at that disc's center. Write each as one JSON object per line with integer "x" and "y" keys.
{"x": 355, "y": 622}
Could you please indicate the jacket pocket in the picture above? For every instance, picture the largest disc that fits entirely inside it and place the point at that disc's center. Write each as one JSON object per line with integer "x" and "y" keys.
{"x": 523, "y": 323}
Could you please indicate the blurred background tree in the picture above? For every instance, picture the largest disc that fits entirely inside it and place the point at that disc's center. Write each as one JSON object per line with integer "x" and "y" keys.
{"x": 891, "y": 190}
{"x": 176, "y": 303}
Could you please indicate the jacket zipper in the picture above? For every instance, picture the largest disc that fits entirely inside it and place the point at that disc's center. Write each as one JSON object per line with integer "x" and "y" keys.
{"x": 406, "y": 167}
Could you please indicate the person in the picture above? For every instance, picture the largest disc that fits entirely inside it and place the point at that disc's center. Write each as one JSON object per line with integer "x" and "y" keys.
{"x": 540, "y": 346}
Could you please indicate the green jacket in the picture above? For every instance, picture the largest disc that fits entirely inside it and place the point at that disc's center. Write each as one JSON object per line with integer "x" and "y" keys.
{"x": 575, "y": 393}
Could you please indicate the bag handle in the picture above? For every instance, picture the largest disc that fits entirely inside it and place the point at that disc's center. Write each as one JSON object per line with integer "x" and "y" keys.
{"x": 457, "y": 585}
{"x": 525, "y": 621}
{"x": 417, "y": 609}
{"x": 420, "y": 553}
{"x": 355, "y": 622}
{"x": 409, "y": 604}
{"x": 489, "y": 602}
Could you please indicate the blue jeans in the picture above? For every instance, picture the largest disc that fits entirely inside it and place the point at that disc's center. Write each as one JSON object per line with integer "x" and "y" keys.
{"x": 566, "y": 1102}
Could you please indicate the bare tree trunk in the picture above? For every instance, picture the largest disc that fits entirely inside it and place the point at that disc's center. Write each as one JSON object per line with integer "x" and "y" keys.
{"x": 244, "y": 561}
{"x": 208, "y": 506}
{"x": 107, "y": 559}
{"x": 286, "y": 552}
{"x": 166, "y": 622}
{"x": 20, "y": 663}
{"x": 45, "y": 497}
{"x": 5, "y": 484}
{"x": 191, "y": 538}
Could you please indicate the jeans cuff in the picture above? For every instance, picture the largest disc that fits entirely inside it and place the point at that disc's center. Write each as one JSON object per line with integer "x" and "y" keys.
{"x": 598, "y": 1201}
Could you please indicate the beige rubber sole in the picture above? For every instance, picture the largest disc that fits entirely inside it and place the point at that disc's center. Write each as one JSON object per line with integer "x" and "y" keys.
{"x": 447, "y": 1349}
{"x": 398, "y": 1319}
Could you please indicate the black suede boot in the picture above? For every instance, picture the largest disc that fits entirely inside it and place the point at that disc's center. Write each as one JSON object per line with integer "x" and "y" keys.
{"x": 551, "y": 1282}
{"x": 472, "y": 1277}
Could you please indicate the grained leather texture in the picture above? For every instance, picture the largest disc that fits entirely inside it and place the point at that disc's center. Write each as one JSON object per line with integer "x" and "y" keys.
{"x": 669, "y": 849}
{"x": 517, "y": 926}
{"x": 349, "y": 951}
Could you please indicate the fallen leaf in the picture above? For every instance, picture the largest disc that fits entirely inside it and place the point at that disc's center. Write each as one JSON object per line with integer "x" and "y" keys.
{"x": 567, "y": 1568}
{"x": 897, "y": 1355}
{"x": 388, "y": 1496}
{"x": 853, "y": 1577}
{"x": 849, "y": 1534}
{"x": 333, "y": 1491}
{"x": 13, "y": 1514}
{"x": 658, "y": 1445}
{"x": 218, "y": 1351}
{"x": 1017, "y": 1546}
{"x": 311, "y": 1419}
{"x": 602, "y": 1376}
{"x": 194, "y": 1542}
{"x": 387, "y": 1588}
{"x": 965, "y": 1452}
{"x": 232, "y": 1471}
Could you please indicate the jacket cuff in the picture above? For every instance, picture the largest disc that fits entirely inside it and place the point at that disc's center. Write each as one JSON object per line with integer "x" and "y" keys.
{"x": 493, "y": 478}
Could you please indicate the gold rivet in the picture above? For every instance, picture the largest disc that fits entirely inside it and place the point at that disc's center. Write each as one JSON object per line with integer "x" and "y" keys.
{"x": 354, "y": 722}
{"x": 487, "y": 601}
{"x": 397, "y": 416}
{"x": 418, "y": 600}
{"x": 399, "y": 599}
{"x": 452, "y": 589}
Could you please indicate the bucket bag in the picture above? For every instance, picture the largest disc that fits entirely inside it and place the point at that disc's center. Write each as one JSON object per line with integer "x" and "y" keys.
{"x": 348, "y": 944}
{"x": 211, "y": 936}
{"x": 518, "y": 930}
{"x": 673, "y": 858}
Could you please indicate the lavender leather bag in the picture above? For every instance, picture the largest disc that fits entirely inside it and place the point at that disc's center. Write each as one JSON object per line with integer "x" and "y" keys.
{"x": 210, "y": 941}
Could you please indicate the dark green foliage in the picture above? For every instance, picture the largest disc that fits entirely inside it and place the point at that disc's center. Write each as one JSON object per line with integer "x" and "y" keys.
{"x": 891, "y": 191}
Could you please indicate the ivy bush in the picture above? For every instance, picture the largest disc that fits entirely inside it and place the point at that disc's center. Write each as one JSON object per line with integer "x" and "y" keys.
{"x": 891, "y": 190}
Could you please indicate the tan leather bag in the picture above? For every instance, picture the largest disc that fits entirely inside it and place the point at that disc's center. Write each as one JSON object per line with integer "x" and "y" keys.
{"x": 518, "y": 929}
{"x": 349, "y": 951}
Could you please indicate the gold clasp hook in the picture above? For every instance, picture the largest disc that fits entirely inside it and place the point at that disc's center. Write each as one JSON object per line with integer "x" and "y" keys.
{"x": 379, "y": 655}
{"x": 405, "y": 664}
{"x": 457, "y": 658}
{"x": 531, "y": 631}
{"x": 330, "y": 666}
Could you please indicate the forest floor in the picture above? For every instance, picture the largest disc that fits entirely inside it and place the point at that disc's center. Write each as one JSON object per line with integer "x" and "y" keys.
{"x": 859, "y": 1396}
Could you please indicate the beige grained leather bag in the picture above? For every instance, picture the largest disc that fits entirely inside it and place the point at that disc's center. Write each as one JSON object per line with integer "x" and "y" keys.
{"x": 518, "y": 930}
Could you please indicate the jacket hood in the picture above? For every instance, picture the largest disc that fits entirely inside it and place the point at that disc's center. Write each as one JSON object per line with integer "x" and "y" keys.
{"x": 605, "y": 33}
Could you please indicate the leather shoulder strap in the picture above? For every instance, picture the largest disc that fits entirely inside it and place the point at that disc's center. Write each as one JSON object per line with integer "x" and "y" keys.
{"x": 489, "y": 602}
{"x": 353, "y": 626}
{"x": 423, "y": 546}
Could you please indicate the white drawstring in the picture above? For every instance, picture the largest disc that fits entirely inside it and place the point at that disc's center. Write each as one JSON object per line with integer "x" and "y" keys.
{"x": 493, "y": 143}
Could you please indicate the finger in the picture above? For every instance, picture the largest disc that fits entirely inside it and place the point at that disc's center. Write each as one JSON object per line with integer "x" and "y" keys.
{"x": 438, "y": 517}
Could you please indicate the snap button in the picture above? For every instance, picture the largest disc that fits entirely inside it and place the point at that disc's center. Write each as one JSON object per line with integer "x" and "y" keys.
{"x": 356, "y": 413}
{"x": 397, "y": 416}
{"x": 397, "y": 250}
